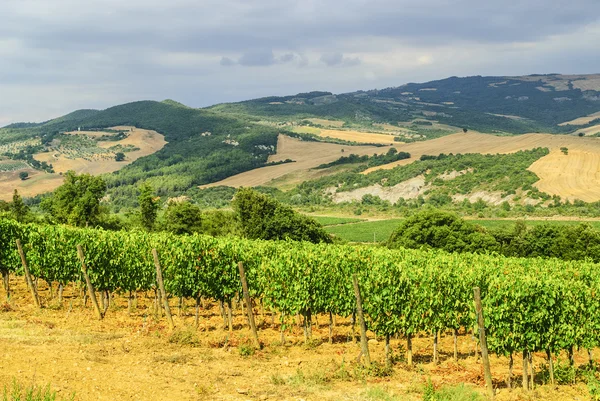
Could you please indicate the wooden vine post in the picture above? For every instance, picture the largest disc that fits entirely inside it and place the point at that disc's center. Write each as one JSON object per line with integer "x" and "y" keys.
{"x": 249, "y": 304}
{"x": 364, "y": 345}
{"x": 482, "y": 340}
{"x": 32, "y": 288}
{"x": 90, "y": 288}
{"x": 161, "y": 288}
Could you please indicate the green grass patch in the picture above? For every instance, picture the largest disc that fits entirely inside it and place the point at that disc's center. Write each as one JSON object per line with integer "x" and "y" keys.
{"x": 507, "y": 224}
{"x": 331, "y": 221}
{"x": 355, "y": 230}
{"x": 18, "y": 392}
{"x": 368, "y": 231}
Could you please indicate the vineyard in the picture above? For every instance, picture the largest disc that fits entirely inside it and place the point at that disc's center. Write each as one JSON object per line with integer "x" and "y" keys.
{"x": 530, "y": 305}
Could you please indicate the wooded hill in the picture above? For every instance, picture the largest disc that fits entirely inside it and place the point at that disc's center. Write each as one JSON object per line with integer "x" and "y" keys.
{"x": 488, "y": 104}
{"x": 207, "y": 145}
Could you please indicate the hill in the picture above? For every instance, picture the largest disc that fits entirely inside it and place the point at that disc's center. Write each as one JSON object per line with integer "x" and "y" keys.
{"x": 205, "y": 146}
{"x": 202, "y": 146}
{"x": 536, "y": 103}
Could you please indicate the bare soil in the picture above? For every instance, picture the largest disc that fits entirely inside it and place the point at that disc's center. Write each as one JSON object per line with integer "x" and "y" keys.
{"x": 136, "y": 357}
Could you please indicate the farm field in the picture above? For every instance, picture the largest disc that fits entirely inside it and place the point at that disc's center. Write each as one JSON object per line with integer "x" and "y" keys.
{"x": 349, "y": 135}
{"x": 135, "y": 356}
{"x": 363, "y": 231}
{"x": 575, "y": 175}
{"x": 306, "y": 155}
{"x": 147, "y": 142}
{"x": 132, "y": 352}
{"x": 582, "y": 120}
{"x": 368, "y": 231}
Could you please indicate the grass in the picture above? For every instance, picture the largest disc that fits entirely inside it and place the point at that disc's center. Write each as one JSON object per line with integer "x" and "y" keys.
{"x": 497, "y": 224}
{"x": 457, "y": 393}
{"x": 368, "y": 231}
{"x": 331, "y": 221}
{"x": 380, "y": 230}
{"x": 16, "y": 392}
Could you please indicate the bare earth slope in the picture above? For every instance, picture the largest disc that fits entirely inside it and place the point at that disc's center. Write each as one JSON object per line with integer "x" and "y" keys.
{"x": 575, "y": 175}
{"x": 306, "y": 155}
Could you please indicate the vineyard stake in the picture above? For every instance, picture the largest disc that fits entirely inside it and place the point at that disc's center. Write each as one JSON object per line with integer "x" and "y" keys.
{"x": 388, "y": 355}
{"x": 89, "y": 283}
{"x": 510, "y": 372}
{"x": 330, "y": 328}
{"x": 409, "y": 350}
{"x": 484, "y": 349}
{"x": 34, "y": 294}
{"x": 161, "y": 287}
{"x": 455, "y": 345}
{"x": 248, "y": 304}
{"x": 6, "y": 281}
{"x": 436, "y": 357}
{"x": 364, "y": 345}
{"x": 550, "y": 365}
{"x": 525, "y": 372}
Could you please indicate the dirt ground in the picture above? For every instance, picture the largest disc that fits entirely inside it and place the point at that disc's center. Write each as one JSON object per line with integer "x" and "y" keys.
{"x": 136, "y": 357}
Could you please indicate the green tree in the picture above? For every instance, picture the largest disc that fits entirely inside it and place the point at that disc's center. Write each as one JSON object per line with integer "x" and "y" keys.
{"x": 18, "y": 209}
{"x": 77, "y": 201}
{"x": 262, "y": 217}
{"x": 182, "y": 218}
{"x": 23, "y": 175}
{"x": 443, "y": 230}
{"x": 149, "y": 205}
{"x": 119, "y": 156}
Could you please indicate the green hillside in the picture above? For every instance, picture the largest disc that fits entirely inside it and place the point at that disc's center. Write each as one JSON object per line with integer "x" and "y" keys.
{"x": 207, "y": 145}
{"x": 488, "y": 104}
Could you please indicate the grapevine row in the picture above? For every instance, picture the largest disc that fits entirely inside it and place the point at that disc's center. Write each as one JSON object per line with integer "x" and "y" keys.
{"x": 530, "y": 304}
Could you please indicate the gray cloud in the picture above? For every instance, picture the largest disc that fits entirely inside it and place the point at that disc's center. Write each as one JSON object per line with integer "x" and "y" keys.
{"x": 338, "y": 59}
{"x": 101, "y": 52}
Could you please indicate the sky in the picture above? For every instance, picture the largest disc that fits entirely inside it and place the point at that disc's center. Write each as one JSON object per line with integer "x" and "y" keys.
{"x": 57, "y": 56}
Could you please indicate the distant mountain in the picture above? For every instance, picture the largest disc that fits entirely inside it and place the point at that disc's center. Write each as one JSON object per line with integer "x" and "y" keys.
{"x": 535, "y": 103}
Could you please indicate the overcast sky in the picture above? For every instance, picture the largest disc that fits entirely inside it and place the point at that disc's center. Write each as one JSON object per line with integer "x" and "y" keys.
{"x": 60, "y": 55}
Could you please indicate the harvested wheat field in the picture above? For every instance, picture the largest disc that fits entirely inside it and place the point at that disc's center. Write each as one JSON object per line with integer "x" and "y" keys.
{"x": 132, "y": 355}
{"x": 306, "y": 155}
{"x": 575, "y": 175}
{"x": 40, "y": 182}
{"x": 37, "y": 183}
{"x": 582, "y": 120}
{"x": 147, "y": 141}
{"x": 352, "y": 136}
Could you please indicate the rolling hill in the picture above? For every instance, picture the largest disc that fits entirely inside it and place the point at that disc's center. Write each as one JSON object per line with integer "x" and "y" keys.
{"x": 537, "y": 103}
{"x": 205, "y": 146}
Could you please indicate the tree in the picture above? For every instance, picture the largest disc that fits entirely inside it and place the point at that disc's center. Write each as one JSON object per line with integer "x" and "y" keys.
{"x": 149, "y": 205}
{"x": 465, "y": 130}
{"x": 77, "y": 201}
{"x": 119, "y": 156}
{"x": 18, "y": 209}
{"x": 262, "y": 217}
{"x": 182, "y": 218}
{"x": 443, "y": 230}
{"x": 23, "y": 175}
